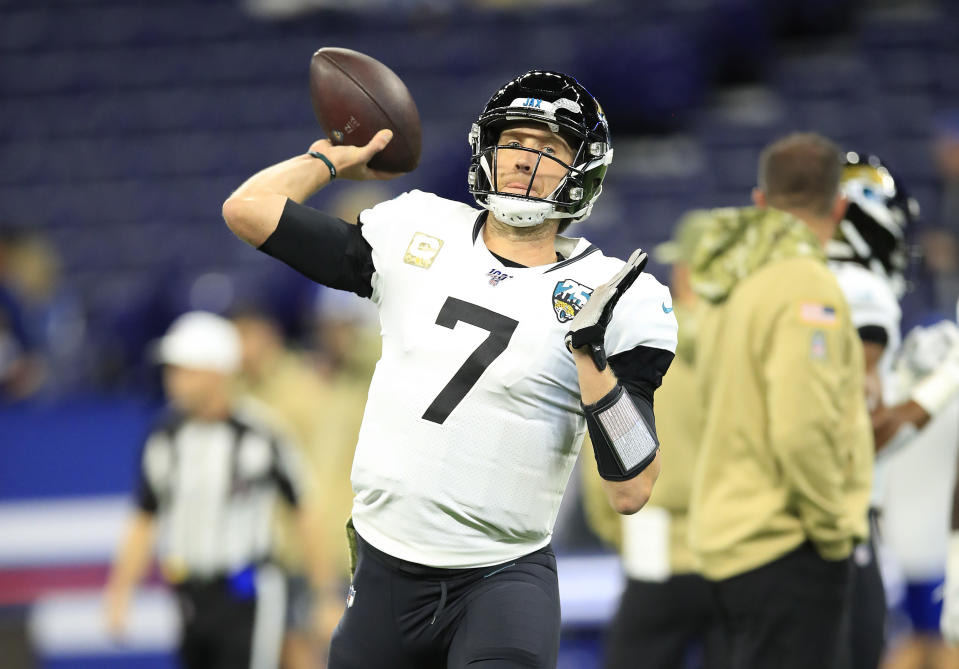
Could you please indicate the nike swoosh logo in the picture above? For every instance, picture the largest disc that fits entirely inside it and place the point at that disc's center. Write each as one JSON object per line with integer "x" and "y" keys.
{"x": 666, "y": 309}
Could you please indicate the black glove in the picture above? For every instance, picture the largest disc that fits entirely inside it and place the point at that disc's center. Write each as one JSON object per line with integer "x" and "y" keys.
{"x": 588, "y": 328}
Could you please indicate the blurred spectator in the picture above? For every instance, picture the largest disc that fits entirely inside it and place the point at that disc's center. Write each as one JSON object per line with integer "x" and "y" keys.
{"x": 322, "y": 401}
{"x": 947, "y": 159}
{"x": 347, "y": 347}
{"x": 346, "y": 334}
{"x": 44, "y": 347}
{"x": 20, "y": 371}
{"x": 54, "y": 321}
{"x": 21, "y": 367}
{"x": 286, "y": 8}
{"x": 940, "y": 246}
{"x": 355, "y": 197}
{"x": 666, "y": 614}
{"x": 286, "y": 383}
{"x": 210, "y": 473}
{"x": 520, "y": 5}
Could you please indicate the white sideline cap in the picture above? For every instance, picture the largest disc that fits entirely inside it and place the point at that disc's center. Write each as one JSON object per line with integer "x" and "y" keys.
{"x": 201, "y": 340}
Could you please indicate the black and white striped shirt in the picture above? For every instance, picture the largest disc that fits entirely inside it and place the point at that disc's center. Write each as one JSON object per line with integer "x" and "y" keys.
{"x": 213, "y": 486}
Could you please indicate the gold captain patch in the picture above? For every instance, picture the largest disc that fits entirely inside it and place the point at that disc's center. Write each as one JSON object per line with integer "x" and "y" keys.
{"x": 422, "y": 250}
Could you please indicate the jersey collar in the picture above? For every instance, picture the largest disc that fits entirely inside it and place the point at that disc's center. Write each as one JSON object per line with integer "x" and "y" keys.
{"x": 572, "y": 248}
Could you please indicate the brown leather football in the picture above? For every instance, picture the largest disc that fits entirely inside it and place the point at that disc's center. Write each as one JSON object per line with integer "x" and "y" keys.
{"x": 354, "y": 96}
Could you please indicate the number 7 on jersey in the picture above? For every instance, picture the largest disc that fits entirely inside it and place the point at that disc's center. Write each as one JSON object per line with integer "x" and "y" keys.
{"x": 500, "y": 330}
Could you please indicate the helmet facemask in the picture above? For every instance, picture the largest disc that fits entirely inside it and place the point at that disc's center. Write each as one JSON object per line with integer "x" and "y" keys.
{"x": 525, "y": 209}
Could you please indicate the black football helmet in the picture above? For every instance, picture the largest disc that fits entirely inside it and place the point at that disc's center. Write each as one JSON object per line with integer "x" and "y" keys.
{"x": 565, "y": 107}
{"x": 873, "y": 231}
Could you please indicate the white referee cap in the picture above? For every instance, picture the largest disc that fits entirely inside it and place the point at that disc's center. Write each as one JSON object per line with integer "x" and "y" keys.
{"x": 201, "y": 340}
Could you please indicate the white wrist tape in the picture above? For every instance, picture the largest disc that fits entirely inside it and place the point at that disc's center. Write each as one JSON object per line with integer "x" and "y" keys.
{"x": 936, "y": 390}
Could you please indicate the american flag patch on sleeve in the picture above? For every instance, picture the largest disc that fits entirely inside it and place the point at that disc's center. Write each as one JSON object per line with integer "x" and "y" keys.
{"x": 817, "y": 314}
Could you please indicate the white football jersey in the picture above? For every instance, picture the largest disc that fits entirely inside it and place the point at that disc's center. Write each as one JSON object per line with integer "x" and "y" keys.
{"x": 474, "y": 421}
{"x": 873, "y": 303}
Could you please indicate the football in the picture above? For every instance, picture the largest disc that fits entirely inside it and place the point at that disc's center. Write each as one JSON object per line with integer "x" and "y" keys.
{"x": 354, "y": 96}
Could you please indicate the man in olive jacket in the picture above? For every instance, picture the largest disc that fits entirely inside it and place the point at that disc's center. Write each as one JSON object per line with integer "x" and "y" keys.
{"x": 782, "y": 482}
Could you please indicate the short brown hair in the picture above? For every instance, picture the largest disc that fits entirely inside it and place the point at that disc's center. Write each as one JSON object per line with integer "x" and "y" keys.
{"x": 801, "y": 171}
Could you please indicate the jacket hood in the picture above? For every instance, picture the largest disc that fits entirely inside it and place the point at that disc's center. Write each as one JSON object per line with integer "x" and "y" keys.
{"x": 737, "y": 241}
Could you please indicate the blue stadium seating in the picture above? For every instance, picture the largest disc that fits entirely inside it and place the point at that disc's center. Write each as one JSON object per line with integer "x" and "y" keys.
{"x": 124, "y": 125}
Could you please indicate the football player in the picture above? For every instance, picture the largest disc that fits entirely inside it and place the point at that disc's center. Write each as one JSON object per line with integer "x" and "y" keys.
{"x": 503, "y": 341}
{"x": 869, "y": 257}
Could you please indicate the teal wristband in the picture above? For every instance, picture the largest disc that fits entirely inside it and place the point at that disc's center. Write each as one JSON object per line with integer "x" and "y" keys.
{"x": 329, "y": 163}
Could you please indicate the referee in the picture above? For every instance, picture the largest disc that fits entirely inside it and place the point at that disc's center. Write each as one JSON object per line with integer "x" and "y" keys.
{"x": 209, "y": 478}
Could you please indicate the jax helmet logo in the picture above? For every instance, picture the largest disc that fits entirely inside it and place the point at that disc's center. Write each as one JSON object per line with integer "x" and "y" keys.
{"x": 568, "y": 298}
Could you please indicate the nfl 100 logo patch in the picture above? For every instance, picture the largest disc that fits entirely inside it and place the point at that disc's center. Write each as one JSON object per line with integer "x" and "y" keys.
{"x": 496, "y": 276}
{"x": 568, "y": 298}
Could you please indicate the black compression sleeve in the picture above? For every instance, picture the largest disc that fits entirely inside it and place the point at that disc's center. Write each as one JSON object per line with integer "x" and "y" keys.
{"x": 640, "y": 370}
{"x": 322, "y": 247}
{"x": 610, "y": 461}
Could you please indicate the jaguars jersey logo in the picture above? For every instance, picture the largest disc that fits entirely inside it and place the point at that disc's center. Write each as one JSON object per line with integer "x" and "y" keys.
{"x": 568, "y": 298}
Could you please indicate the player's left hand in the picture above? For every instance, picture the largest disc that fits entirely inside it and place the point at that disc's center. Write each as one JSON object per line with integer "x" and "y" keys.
{"x": 588, "y": 328}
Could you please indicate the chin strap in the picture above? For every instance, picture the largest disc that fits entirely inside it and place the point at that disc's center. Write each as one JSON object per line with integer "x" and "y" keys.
{"x": 517, "y": 212}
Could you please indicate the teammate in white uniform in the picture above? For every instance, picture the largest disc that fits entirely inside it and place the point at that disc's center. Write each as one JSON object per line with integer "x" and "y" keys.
{"x": 501, "y": 346}
{"x": 869, "y": 257}
{"x": 871, "y": 281}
